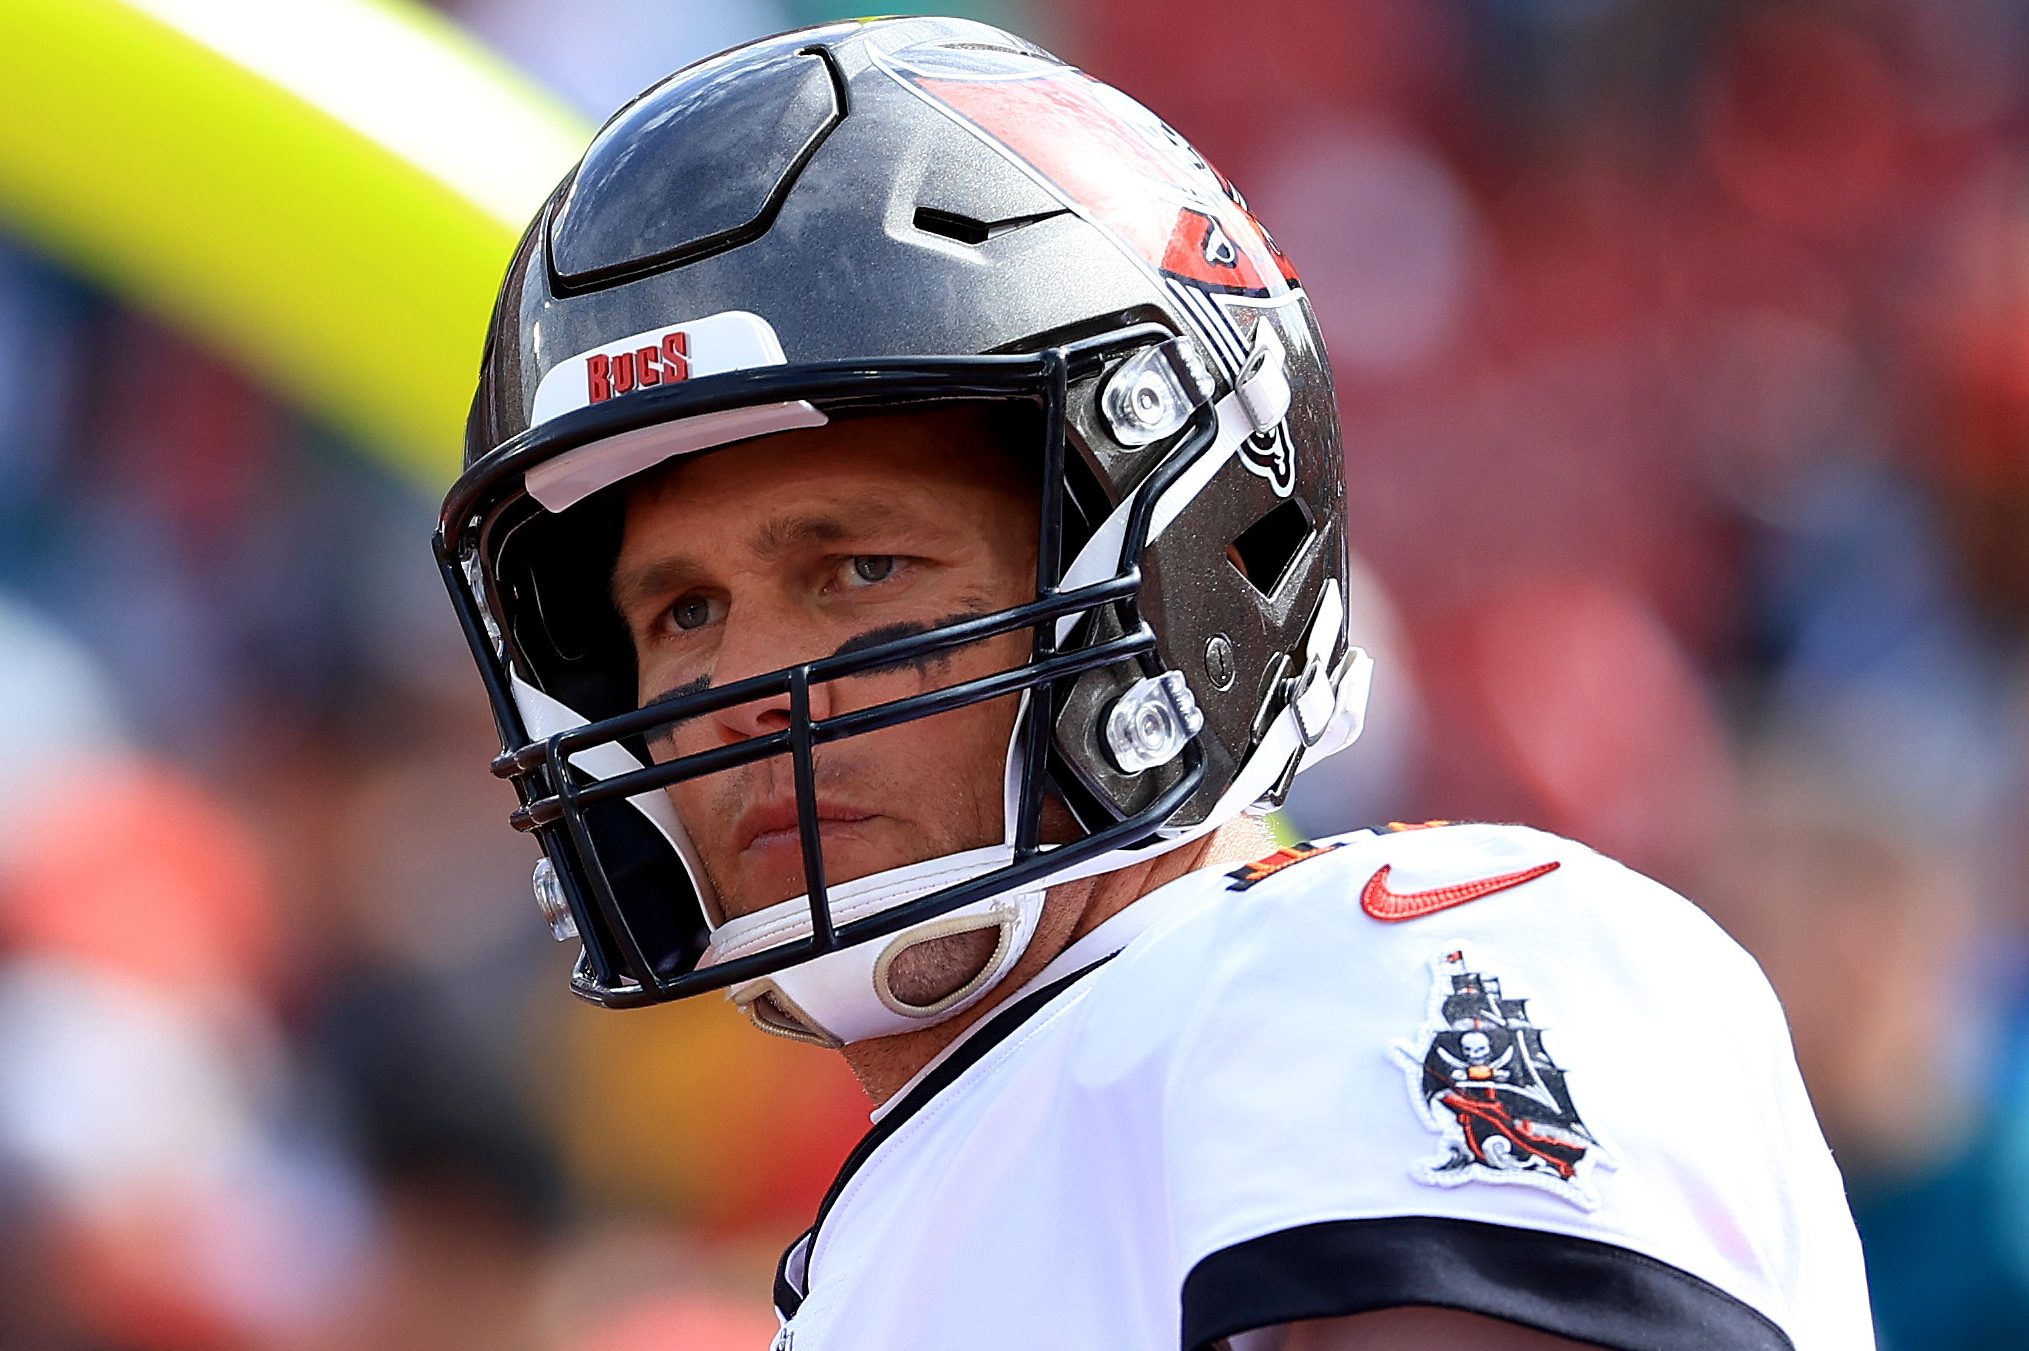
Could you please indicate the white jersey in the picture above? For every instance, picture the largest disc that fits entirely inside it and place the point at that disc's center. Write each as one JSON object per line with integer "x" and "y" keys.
{"x": 1474, "y": 1066}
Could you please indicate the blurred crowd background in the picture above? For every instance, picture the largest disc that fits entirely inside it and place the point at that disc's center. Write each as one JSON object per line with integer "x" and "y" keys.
{"x": 1683, "y": 351}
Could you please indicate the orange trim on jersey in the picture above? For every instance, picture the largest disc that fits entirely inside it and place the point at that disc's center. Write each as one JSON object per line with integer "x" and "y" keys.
{"x": 1261, "y": 869}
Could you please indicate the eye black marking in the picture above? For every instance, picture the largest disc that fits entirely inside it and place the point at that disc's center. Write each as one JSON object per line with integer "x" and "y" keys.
{"x": 927, "y": 663}
{"x": 697, "y": 685}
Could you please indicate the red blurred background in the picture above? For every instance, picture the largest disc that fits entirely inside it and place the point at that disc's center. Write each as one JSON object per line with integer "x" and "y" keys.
{"x": 1683, "y": 352}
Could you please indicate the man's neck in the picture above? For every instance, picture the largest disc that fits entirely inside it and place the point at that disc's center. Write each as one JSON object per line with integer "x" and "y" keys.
{"x": 1071, "y": 911}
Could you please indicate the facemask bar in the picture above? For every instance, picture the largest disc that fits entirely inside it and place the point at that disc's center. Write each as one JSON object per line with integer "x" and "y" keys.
{"x": 557, "y": 800}
{"x": 570, "y": 803}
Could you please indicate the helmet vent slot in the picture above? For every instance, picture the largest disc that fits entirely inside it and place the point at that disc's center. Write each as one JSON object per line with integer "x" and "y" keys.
{"x": 1264, "y": 551}
{"x": 951, "y": 225}
{"x": 966, "y": 230}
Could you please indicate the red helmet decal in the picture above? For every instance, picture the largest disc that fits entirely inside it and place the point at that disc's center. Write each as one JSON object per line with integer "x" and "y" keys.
{"x": 1122, "y": 166}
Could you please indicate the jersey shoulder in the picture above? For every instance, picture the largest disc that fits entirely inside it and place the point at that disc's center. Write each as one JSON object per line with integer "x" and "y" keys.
{"x": 1436, "y": 1036}
{"x": 1371, "y": 934}
{"x": 1359, "y": 926}
{"x": 1389, "y": 891}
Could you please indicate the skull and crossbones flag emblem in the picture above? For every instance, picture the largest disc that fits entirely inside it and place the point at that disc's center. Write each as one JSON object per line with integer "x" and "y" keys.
{"x": 1482, "y": 1079}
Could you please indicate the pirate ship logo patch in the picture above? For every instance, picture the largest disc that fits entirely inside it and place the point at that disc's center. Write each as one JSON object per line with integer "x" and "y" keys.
{"x": 1481, "y": 1078}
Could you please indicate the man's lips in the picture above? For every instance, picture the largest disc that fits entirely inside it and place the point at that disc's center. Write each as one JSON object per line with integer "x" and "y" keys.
{"x": 768, "y": 823}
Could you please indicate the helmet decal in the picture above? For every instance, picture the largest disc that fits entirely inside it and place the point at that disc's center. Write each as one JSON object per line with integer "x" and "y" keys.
{"x": 664, "y": 355}
{"x": 1111, "y": 160}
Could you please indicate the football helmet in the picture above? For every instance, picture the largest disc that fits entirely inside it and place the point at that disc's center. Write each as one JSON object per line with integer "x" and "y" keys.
{"x": 874, "y": 217}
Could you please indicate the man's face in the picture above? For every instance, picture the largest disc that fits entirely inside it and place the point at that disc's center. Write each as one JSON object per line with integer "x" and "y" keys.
{"x": 803, "y": 545}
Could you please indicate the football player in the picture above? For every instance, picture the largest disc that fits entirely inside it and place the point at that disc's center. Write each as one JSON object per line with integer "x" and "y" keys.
{"x": 903, "y": 539}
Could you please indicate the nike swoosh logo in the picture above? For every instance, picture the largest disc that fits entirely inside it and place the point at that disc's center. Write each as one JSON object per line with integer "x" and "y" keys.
{"x": 1393, "y": 906}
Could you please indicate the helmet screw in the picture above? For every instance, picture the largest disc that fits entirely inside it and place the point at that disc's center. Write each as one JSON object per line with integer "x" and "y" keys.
{"x": 1149, "y": 723}
{"x": 1219, "y": 661}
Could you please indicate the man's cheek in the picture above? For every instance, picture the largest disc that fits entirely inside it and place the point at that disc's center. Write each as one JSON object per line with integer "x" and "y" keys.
{"x": 694, "y": 806}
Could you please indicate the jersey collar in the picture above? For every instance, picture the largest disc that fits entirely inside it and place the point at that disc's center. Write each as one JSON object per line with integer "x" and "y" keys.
{"x": 1063, "y": 972}
{"x": 1109, "y": 937}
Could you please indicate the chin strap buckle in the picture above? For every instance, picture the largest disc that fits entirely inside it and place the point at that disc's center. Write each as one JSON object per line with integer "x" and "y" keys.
{"x": 1310, "y": 700}
{"x": 1262, "y": 387}
{"x": 1327, "y": 703}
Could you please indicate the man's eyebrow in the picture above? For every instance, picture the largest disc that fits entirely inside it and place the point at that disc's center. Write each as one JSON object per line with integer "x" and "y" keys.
{"x": 845, "y": 520}
{"x": 849, "y": 519}
{"x": 637, "y": 586}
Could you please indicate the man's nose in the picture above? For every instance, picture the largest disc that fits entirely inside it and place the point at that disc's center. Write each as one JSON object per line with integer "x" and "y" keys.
{"x": 755, "y": 646}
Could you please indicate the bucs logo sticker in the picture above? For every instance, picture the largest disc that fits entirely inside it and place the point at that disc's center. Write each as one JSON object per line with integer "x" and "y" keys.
{"x": 1269, "y": 455}
{"x": 1481, "y": 1077}
{"x": 1111, "y": 159}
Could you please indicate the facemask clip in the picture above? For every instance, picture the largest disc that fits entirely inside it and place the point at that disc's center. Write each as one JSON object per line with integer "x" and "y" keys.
{"x": 1150, "y": 723}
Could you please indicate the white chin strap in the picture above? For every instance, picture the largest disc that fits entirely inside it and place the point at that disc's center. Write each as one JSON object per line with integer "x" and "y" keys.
{"x": 849, "y": 995}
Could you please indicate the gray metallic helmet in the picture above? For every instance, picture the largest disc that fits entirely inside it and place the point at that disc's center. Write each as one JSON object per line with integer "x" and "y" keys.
{"x": 867, "y": 217}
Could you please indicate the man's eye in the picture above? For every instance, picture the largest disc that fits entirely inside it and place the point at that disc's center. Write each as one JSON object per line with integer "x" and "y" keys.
{"x": 868, "y": 569}
{"x": 692, "y": 612}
